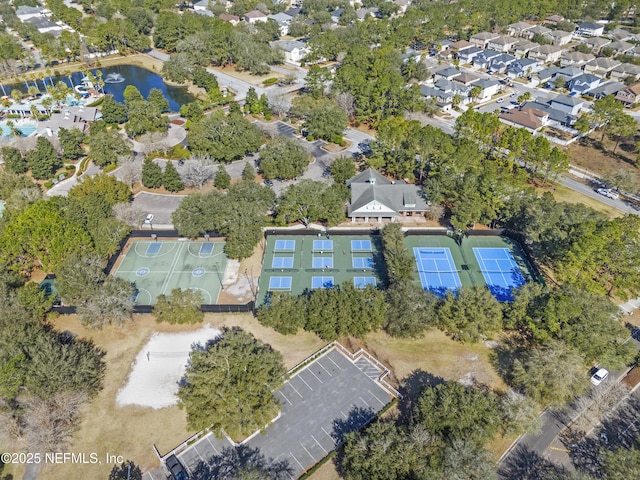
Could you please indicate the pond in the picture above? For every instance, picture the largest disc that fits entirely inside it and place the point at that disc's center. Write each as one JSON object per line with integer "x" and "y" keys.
{"x": 116, "y": 80}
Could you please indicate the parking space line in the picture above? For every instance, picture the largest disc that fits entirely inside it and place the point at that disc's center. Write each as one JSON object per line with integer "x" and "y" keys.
{"x": 328, "y": 434}
{"x": 284, "y": 396}
{"x": 295, "y": 389}
{"x": 338, "y": 366}
{"x": 294, "y": 457}
{"x": 305, "y": 449}
{"x": 311, "y": 372}
{"x": 328, "y": 372}
{"x": 303, "y": 381}
{"x": 323, "y": 449}
{"x": 343, "y": 414}
{"x": 376, "y": 397}
{"x": 197, "y": 452}
{"x": 213, "y": 446}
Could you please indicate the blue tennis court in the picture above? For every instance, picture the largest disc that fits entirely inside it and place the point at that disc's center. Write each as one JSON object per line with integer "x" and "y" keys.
{"x": 206, "y": 248}
{"x": 153, "y": 248}
{"x": 362, "y": 282}
{"x": 323, "y": 245}
{"x": 360, "y": 245}
{"x": 362, "y": 262}
{"x": 436, "y": 269}
{"x": 500, "y": 271}
{"x": 282, "y": 262}
{"x": 280, "y": 283}
{"x": 285, "y": 245}
{"x": 321, "y": 282}
{"x": 322, "y": 262}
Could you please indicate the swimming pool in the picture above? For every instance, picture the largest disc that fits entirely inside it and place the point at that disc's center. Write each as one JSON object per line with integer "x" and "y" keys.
{"x": 26, "y": 129}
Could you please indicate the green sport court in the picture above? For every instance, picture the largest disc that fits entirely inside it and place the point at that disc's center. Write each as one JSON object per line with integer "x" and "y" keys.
{"x": 442, "y": 265}
{"x": 157, "y": 267}
{"x": 297, "y": 263}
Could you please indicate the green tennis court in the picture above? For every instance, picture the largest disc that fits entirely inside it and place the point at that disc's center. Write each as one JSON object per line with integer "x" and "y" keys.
{"x": 296, "y": 263}
{"x": 157, "y": 267}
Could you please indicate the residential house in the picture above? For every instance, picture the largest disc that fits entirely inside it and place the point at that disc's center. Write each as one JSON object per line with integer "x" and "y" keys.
{"x": 460, "y": 46}
{"x": 483, "y": 59}
{"x": 489, "y": 88}
{"x": 560, "y": 37}
{"x": 293, "y": 11}
{"x": 601, "y": 66}
{"x": 546, "y": 53}
{"x": 574, "y": 59}
{"x": 503, "y": 43}
{"x": 567, "y": 104}
{"x": 500, "y": 63}
{"x": 481, "y": 39}
{"x": 232, "y": 19}
{"x": 443, "y": 99}
{"x": 625, "y": 70}
{"x": 375, "y": 197}
{"x": 283, "y": 20}
{"x": 201, "y": 5}
{"x": 453, "y": 87}
{"x": 635, "y": 51}
{"x": 44, "y": 25}
{"x": 522, "y": 67}
{"x": 621, "y": 35}
{"x": 466, "y": 79}
{"x": 630, "y": 95}
{"x": 529, "y": 118}
{"x": 522, "y": 47}
{"x": 609, "y": 88}
{"x": 363, "y": 13}
{"x": 447, "y": 73}
{"x": 565, "y": 74}
{"x": 23, "y": 12}
{"x": 553, "y": 19}
{"x": 469, "y": 54}
{"x": 620, "y": 48}
{"x": 336, "y": 14}
{"x": 596, "y": 43}
{"x": 294, "y": 50}
{"x": 255, "y": 16}
{"x": 518, "y": 29}
{"x": 583, "y": 83}
{"x": 588, "y": 29}
{"x": 539, "y": 29}
{"x": 546, "y": 74}
{"x": 556, "y": 117}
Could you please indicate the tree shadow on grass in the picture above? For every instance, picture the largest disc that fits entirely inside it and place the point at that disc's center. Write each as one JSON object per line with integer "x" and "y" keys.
{"x": 410, "y": 388}
{"x": 242, "y": 462}
{"x": 525, "y": 464}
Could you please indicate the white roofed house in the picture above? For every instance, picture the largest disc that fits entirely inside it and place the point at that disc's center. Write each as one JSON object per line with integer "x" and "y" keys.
{"x": 25, "y": 12}
{"x": 376, "y": 198}
{"x": 489, "y": 87}
{"x": 294, "y": 50}
{"x": 201, "y": 5}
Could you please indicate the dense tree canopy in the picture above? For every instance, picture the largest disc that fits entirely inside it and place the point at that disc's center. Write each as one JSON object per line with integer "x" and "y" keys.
{"x": 283, "y": 158}
{"x": 182, "y": 306}
{"x": 244, "y": 373}
{"x": 308, "y": 201}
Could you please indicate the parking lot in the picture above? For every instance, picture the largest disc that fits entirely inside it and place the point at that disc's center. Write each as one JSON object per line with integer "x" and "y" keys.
{"x": 326, "y": 399}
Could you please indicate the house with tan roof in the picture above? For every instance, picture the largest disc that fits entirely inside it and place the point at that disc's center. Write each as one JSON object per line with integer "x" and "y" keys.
{"x": 624, "y": 71}
{"x": 503, "y": 43}
{"x": 575, "y": 59}
{"x": 517, "y": 29}
{"x": 546, "y": 53}
{"x": 529, "y": 118}
{"x": 559, "y": 37}
{"x": 601, "y": 66}
{"x": 630, "y": 95}
{"x": 255, "y": 16}
{"x": 620, "y": 48}
{"x": 596, "y": 43}
{"x": 522, "y": 47}
{"x": 481, "y": 39}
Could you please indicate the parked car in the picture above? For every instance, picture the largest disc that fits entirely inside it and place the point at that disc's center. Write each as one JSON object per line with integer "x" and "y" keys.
{"x": 149, "y": 218}
{"x": 269, "y": 183}
{"x": 177, "y": 471}
{"x": 607, "y": 192}
{"x": 500, "y": 100}
{"x": 599, "y": 377}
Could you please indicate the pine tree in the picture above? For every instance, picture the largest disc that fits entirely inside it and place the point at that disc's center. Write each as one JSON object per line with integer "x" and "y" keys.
{"x": 248, "y": 173}
{"x": 43, "y": 160}
{"x": 222, "y": 179}
{"x": 170, "y": 178}
{"x": 251, "y": 102}
{"x": 151, "y": 174}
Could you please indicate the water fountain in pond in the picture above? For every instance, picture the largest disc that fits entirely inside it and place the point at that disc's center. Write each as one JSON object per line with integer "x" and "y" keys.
{"x": 114, "y": 78}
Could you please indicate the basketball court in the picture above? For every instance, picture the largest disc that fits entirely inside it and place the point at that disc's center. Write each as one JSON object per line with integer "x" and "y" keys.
{"x": 157, "y": 267}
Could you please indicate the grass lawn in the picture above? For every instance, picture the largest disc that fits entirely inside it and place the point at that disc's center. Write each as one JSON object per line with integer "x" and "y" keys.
{"x": 131, "y": 431}
{"x": 602, "y": 161}
{"x": 564, "y": 194}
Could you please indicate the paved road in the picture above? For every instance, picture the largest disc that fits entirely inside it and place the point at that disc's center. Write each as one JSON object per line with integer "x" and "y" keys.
{"x": 590, "y": 192}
